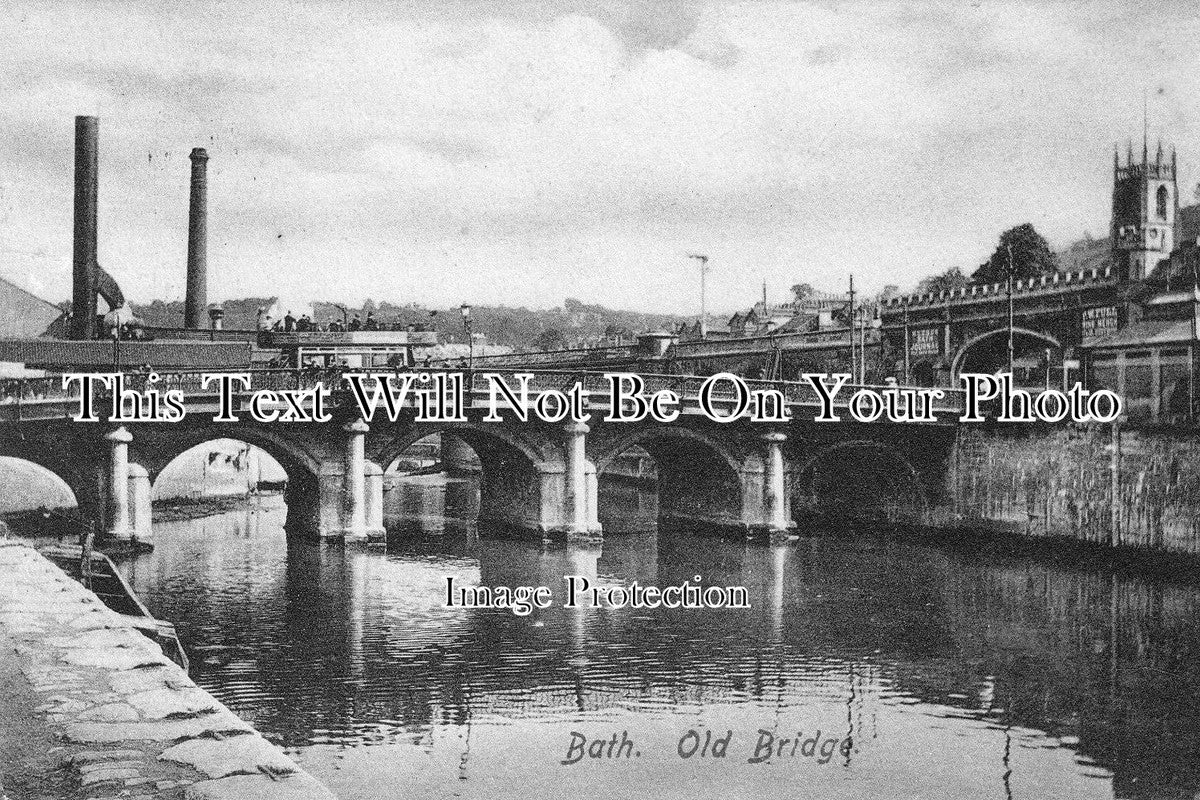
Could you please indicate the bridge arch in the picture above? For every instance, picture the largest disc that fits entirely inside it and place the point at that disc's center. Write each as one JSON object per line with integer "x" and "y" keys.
{"x": 486, "y": 436}
{"x": 83, "y": 485}
{"x": 156, "y": 449}
{"x": 39, "y": 486}
{"x": 969, "y": 347}
{"x": 156, "y": 452}
{"x": 859, "y": 479}
{"x": 698, "y": 479}
{"x": 517, "y": 473}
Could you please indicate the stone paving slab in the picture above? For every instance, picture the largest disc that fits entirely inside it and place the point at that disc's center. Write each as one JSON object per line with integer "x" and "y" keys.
{"x": 133, "y": 724}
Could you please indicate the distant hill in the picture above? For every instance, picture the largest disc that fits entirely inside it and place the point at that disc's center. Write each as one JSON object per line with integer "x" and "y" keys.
{"x": 572, "y": 324}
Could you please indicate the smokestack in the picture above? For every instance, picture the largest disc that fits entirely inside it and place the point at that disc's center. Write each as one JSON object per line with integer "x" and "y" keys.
{"x": 196, "y": 304}
{"x": 84, "y": 281}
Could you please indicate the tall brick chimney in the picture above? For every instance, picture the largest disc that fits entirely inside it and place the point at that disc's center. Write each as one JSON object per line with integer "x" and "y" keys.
{"x": 83, "y": 263}
{"x": 195, "y": 314}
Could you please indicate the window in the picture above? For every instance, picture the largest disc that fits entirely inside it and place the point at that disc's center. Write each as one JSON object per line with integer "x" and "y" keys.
{"x": 1162, "y": 202}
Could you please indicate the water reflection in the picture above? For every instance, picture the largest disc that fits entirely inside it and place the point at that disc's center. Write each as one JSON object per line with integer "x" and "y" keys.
{"x": 946, "y": 674}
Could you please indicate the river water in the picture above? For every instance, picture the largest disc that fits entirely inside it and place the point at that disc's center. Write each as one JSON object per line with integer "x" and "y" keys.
{"x": 905, "y": 670}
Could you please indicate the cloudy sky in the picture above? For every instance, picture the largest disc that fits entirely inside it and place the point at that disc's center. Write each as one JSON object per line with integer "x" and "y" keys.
{"x": 522, "y": 152}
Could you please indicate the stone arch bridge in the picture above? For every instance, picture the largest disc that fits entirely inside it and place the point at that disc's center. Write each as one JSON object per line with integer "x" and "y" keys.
{"x": 537, "y": 478}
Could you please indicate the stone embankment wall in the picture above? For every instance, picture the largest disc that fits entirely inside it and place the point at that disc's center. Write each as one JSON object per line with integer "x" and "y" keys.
{"x": 127, "y": 722}
{"x": 1062, "y": 481}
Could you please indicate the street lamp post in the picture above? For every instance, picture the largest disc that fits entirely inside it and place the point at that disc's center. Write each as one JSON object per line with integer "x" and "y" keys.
{"x": 775, "y": 363}
{"x": 465, "y": 308}
{"x": 876, "y": 322}
{"x": 703, "y": 311}
{"x": 114, "y": 319}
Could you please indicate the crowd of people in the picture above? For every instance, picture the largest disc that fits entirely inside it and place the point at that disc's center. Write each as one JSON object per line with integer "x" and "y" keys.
{"x": 305, "y": 324}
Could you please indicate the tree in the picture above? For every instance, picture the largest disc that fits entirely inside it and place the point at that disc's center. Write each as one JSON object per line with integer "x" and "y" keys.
{"x": 947, "y": 281}
{"x": 802, "y": 291}
{"x": 1031, "y": 256}
{"x": 550, "y": 339}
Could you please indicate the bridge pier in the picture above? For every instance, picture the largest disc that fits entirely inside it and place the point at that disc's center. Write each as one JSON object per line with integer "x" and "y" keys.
{"x": 766, "y": 504}
{"x": 362, "y": 489}
{"x": 354, "y": 510}
{"x": 582, "y": 517}
{"x": 593, "y": 497}
{"x": 775, "y": 497}
{"x": 373, "y": 489}
{"x": 141, "y": 510}
{"x": 119, "y": 527}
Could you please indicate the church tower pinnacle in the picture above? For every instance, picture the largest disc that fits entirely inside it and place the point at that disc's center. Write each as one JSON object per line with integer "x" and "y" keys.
{"x": 1145, "y": 202}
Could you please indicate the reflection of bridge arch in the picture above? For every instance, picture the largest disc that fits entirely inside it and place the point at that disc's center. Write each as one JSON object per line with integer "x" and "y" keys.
{"x": 698, "y": 477}
{"x": 967, "y": 346}
{"x": 861, "y": 478}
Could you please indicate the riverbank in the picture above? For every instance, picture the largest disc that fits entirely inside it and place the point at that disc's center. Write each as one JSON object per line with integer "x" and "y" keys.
{"x": 93, "y": 709}
{"x": 183, "y": 509}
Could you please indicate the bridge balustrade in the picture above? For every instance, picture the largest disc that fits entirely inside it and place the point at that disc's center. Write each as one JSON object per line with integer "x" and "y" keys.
{"x": 25, "y": 393}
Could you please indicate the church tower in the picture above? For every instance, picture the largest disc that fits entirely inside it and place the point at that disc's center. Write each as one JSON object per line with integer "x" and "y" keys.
{"x": 1145, "y": 202}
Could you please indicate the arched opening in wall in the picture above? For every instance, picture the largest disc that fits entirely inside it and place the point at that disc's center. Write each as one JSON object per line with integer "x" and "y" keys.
{"x": 432, "y": 486}
{"x": 859, "y": 481}
{"x": 34, "y": 500}
{"x": 1033, "y": 354}
{"x": 463, "y": 478}
{"x": 668, "y": 478}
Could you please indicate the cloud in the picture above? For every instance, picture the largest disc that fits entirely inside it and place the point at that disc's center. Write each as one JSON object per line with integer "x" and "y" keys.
{"x": 526, "y": 151}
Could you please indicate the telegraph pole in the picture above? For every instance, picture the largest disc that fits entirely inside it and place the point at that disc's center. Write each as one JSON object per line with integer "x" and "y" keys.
{"x": 1010, "y": 310}
{"x": 851, "y": 321}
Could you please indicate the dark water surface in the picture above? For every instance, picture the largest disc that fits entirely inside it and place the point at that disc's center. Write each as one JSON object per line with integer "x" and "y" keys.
{"x": 929, "y": 673}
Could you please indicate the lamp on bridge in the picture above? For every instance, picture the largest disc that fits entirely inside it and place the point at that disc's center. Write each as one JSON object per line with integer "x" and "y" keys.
{"x": 114, "y": 320}
{"x": 465, "y": 308}
{"x": 876, "y": 322}
{"x": 774, "y": 367}
{"x": 864, "y": 317}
